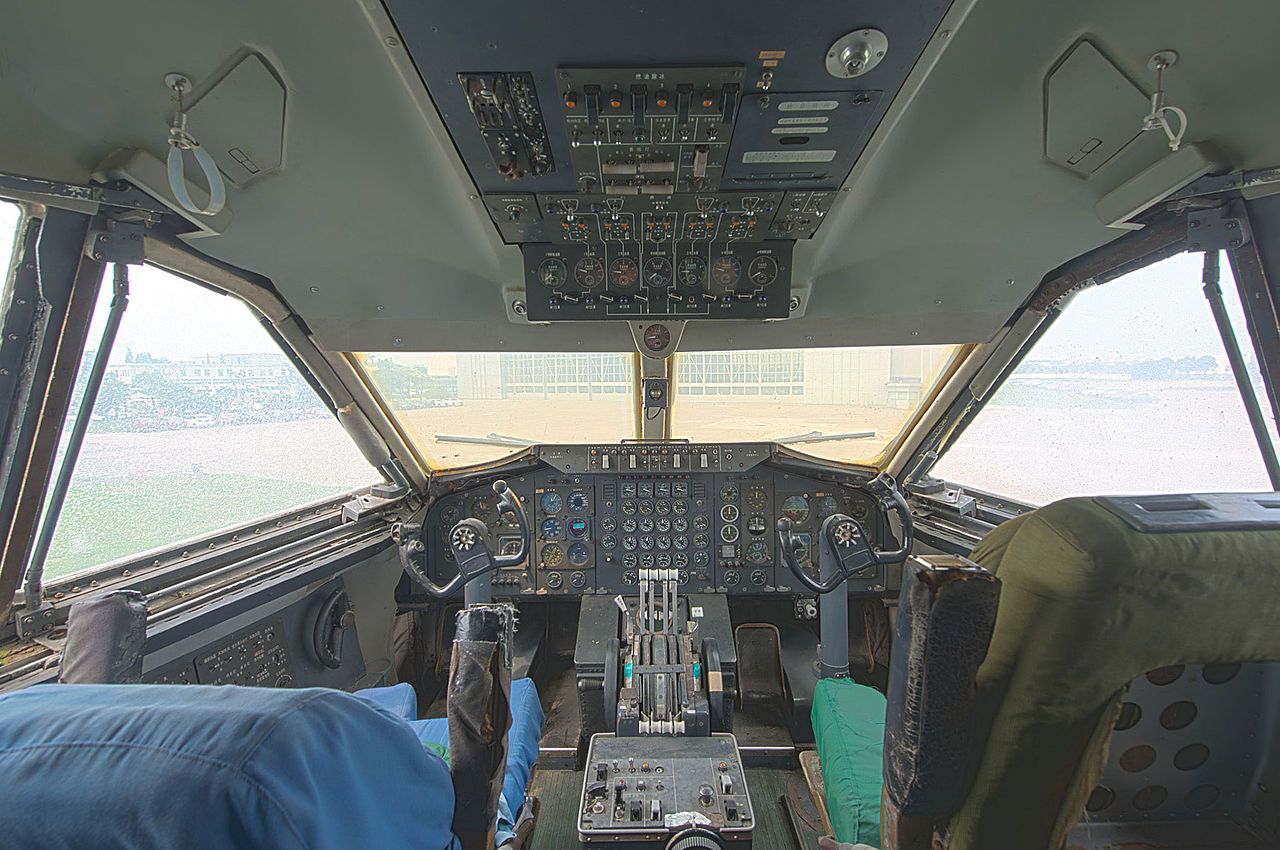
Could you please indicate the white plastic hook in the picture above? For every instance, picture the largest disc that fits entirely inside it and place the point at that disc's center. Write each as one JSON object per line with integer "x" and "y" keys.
{"x": 180, "y": 141}
{"x": 1157, "y": 118}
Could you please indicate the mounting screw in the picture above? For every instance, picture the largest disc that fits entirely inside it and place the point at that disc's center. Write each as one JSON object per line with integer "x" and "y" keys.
{"x": 1193, "y": 223}
{"x": 397, "y": 341}
{"x": 1235, "y": 243}
{"x": 794, "y": 304}
{"x": 518, "y": 307}
{"x": 1232, "y": 224}
{"x": 392, "y": 41}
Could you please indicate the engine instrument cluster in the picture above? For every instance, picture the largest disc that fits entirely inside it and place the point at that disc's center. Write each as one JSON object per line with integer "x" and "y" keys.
{"x": 599, "y": 514}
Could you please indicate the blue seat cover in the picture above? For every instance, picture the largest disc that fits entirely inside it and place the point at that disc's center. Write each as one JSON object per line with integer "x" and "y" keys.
{"x": 522, "y": 740}
{"x": 162, "y": 766}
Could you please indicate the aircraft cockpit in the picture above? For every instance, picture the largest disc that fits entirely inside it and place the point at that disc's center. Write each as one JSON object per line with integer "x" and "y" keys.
{"x": 655, "y": 427}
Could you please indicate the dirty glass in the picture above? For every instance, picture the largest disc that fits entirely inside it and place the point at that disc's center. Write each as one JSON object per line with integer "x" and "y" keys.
{"x": 465, "y": 408}
{"x": 10, "y": 215}
{"x": 1128, "y": 392}
{"x": 842, "y": 404}
{"x": 201, "y": 423}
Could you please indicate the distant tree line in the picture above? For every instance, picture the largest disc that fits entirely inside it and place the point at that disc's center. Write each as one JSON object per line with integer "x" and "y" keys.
{"x": 1165, "y": 368}
{"x": 406, "y": 385}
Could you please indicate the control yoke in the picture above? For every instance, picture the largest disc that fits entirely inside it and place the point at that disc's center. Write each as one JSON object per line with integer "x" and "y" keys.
{"x": 844, "y": 538}
{"x": 469, "y": 542}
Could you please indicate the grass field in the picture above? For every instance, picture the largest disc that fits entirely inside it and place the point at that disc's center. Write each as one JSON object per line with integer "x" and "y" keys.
{"x": 105, "y": 519}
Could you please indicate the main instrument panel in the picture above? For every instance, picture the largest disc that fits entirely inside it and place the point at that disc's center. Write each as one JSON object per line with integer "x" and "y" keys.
{"x": 599, "y": 514}
{"x": 675, "y": 178}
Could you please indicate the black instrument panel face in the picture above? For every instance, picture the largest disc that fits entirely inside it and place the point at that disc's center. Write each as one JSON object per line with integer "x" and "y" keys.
{"x": 709, "y": 512}
{"x": 713, "y": 130}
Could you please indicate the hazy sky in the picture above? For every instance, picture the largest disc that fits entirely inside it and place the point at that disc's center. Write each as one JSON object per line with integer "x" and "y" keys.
{"x": 172, "y": 318}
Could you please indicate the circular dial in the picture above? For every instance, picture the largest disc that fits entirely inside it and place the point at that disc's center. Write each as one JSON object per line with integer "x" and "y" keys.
{"x": 757, "y": 553}
{"x": 577, "y": 528}
{"x": 700, "y": 522}
{"x": 731, "y": 577}
{"x": 757, "y": 524}
{"x": 701, "y": 559}
{"x": 589, "y": 272}
{"x": 757, "y": 498}
{"x": 657, "y": 272}
{"x": 608, "y": 524}
{"x": 729, "y": 533}
{"x": 729, "y": 513}
{"x": 550, "y": 528}
{"x": 796, "y": 509}
{"x": 629, "y": 560}
{"x": 657, "y": 337}
{"x": 608, "y": 542}
{"x": 578, "y": 579}
{"x": 629, "y": 506}
{"x": 554, "y": 580}
{"x": 729, "y": 493}
{"x": 482, "y": 506}
{"x": 577, "y": 502}
{"x": 552, "y": 555}
{"x": 624, "y": 273}
{"x": 552, "y": 503}
{"x": 726, "y": 271}
{"x": 692, "y": 271}
{"x": 827, "y": 506}
{"x": 579, "y": 554}
{"x": 553, "y": 272}
{"x": 763, "y": 270}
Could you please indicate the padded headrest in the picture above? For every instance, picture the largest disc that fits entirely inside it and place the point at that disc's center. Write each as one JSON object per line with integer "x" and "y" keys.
{"x": 164, "y": 766}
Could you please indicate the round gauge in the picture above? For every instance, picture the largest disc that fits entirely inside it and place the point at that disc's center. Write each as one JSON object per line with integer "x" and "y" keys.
{"x": 701, "y": 559}
{"x": 758, "y": 577}
{"x": 646, "y": 543}
{"x": 630, "y": 577}
{"x": 624, "y": 273}
{"x": 763, "y": 270}
{"x": 858, "y": 510}
{"x": 577, "y": 502}
{"x": 729, "y": 493}
{"x": 629, "y": 525}
{"x": 657, "y": 337}
{"x": 726, "y": 271}
{"x": 608, "y": 524}
{"x": 552, "y": 555}
{"x": 482, "y": 506}
{"x": 608, "y": 542}
{"x": 589, "y": 272}
{"x": 662, "y": 506}
{"x": 692, "y": 272}
{"x": 728, "y": 533}
{"x": 680, "y": 524}
{"x": 657, "y": 272}
{"x": 663, "y": 525}
{"x": 629, "y": 507}
{"x": 553, "y": 272}
{"x": 796, "y": 509}
{"x": 757, "y": 553}
{"x": 731, "y": 578}
{"x": 629, "y": 560}
{"x": 682, "y": 577}
{"x": 579, "y": 554}
{"x": 827, "y": 506}
{"x": 680, "y": 506}
{"x": 681, "y": 559}
{"x": 552, "y": 503}
{"x": 757, "y": 524}
{"x": 757, "y": 498}
{"x": 646, "y": 506}
{"x": 578, "y": 579}
{"x": 700, "y": 523}
{"x": 680, "y": 542}
{"x": 646, "y": 526}
{"x": 647, "y": 561}
{"x": 663, "y": 561}
{"x": 550, "y": 528}
{"x": 729, "y": 513}
{"x": 554, "y": 580}
{"x": 664, "y": 542}
{"x": 578, "y": 528}
{"x": 700, "y": 541}
{"x": 630, "y": 543}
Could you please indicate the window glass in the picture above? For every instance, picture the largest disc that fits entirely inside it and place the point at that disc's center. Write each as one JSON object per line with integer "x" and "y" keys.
{"x": 461, "y": 409}
{"x": 201, "y": 423}
{"x": 844, "y": 404}
{"x": 10, "y": 215}
{"x": 1128, "y": 392}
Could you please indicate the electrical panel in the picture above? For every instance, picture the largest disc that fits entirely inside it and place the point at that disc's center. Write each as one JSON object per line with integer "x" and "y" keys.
{"x": 674, "y": 179}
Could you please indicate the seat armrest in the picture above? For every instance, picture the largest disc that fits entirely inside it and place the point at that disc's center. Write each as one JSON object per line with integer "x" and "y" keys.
{"x": 946, "y": 612}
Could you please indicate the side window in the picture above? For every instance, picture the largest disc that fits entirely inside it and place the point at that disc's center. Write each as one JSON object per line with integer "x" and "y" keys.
{"x": 201, "y": 423}
{"x": 10, "y": 215}
{"x": 1128, "y": 391}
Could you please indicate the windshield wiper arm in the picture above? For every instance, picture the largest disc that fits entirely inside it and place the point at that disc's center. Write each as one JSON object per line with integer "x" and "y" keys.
{"x": 820, "y": 437}
{"x": 490, "y": 439}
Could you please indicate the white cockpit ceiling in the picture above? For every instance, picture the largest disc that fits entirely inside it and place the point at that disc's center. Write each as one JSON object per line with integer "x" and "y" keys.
{"x": 371, "y": 231}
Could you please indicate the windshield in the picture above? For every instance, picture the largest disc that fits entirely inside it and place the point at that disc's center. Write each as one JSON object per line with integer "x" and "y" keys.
{"x": 465, "y": 408}
{"x": 842, "y": 404}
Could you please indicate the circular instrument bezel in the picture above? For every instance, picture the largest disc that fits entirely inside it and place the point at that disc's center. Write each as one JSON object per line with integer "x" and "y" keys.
{"x": 589, "y": 272}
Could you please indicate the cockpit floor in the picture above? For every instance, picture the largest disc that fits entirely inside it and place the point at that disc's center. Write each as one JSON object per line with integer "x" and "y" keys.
{"x": 558, "y": 792}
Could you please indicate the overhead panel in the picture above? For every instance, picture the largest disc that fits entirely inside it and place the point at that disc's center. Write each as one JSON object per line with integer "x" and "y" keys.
{"x": 1092, "y": 110}
{"x": 661, "y": 161}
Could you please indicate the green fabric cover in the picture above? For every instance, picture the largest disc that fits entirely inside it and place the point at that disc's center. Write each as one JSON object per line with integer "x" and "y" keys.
{"x": 848, "y": 726}
{"x": 1088, "y": 605}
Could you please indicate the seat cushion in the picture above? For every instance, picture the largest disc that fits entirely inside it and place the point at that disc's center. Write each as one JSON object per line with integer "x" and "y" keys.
{"x": 848, "y": 727}
{"x": 522, "y": 740}
{"x": 159, "y": 766}
{"x": 1089, "y": 603}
